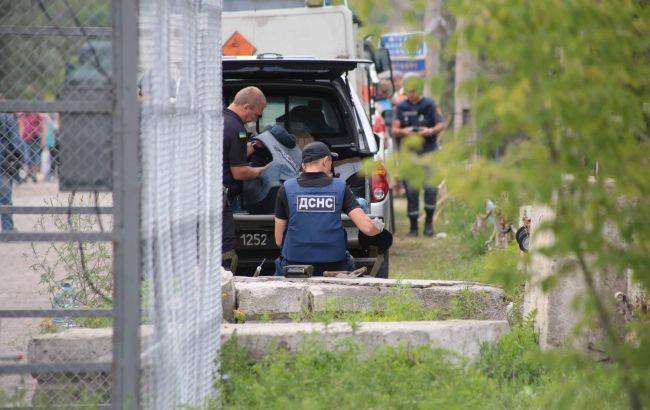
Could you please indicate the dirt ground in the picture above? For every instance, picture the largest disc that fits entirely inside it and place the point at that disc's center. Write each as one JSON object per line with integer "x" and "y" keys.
{"x": 19, "y": 286}
{"x": 447, "y": 256}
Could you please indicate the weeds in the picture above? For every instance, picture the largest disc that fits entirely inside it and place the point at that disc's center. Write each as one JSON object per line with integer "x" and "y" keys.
{"x": 88, "y": 266}
{"x": 515, "y": 357}
{"x": 399, "y": 304}
{"x": 513, "y": 373}
{"x": 459, "y": 256}
{"x": 317, "y": 378}
{"x": 467, "y": 304}
{"x": 15, "y": 396}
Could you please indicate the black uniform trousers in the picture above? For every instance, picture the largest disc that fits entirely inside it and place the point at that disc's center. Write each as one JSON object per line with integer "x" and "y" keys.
{"x": 413, "y": 200}
{"x": 228, "y": 239}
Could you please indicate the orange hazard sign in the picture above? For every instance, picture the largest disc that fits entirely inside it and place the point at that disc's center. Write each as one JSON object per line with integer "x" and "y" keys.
{"x": 237, "y": 45}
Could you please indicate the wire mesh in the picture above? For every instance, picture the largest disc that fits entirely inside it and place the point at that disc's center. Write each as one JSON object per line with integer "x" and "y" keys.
{"x": 56, "y": 174}
{"x": 181, "y": 152}
{"x": 56, "y": 70}
{"x": 59, "y": 201}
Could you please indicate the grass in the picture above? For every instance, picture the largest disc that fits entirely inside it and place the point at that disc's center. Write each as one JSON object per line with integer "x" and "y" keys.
{"x": 511, "y": 374}
{"x": 456, "y": 257}
{"x": 399, "y": 304}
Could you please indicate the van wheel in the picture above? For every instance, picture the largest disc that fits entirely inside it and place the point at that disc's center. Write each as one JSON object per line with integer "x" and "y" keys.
{"x": 383, "y": 269}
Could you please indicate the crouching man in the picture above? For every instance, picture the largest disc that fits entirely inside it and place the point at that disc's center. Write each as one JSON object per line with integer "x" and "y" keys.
{"x": 308, "y": 224}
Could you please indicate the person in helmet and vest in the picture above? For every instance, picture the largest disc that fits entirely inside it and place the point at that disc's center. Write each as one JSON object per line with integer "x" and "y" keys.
{"x": 418, "y": 115}
{"x": 308, "y": 224}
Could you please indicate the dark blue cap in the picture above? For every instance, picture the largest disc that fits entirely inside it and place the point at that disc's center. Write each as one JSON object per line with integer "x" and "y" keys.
{"x": 316, "y": 150}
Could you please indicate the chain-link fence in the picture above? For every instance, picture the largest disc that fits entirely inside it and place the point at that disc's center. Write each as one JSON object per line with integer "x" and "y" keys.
{"x": 109, "y": 202}
{"x": 181, "y": 152}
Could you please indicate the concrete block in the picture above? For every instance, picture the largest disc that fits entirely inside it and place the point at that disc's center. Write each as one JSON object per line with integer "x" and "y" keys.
{"x": 73, "y": 345}
{"x": 281, "y": 297}
{"x": 277, "y": 300}
{"x": 346, "y": 297}
{"x": 491, "y": 301}
{"x": 227, "y": 295}
{"x": 76, "y": 345}
{"x": 557, "y": 316}
{"x": 463, "y": 337}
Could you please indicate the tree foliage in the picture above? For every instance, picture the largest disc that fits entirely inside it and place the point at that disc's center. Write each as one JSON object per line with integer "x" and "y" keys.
{"x": 561, "y": 109}
{"x": 33, "y": 65}
{"x": 561, "y": 91}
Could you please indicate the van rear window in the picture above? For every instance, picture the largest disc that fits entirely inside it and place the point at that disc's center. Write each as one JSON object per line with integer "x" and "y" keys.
{"x": 302, "y": 114}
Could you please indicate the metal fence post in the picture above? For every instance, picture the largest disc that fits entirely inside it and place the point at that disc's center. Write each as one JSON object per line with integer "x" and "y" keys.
{"x": 126, "y": 197}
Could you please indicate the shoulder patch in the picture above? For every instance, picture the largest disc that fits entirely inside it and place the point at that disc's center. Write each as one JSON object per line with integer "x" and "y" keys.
{"x": 242, "y": 135}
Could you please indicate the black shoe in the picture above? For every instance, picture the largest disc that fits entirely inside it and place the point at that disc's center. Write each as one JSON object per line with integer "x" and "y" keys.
{"x": 413, "y": 233}
{"x": 428, "y": 230}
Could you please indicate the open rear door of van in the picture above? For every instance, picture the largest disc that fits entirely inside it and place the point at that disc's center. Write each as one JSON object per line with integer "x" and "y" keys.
{"x": 274, "y": 66}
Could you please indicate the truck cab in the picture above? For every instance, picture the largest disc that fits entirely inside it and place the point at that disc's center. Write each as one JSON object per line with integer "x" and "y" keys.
{"x": 313, "y": 99}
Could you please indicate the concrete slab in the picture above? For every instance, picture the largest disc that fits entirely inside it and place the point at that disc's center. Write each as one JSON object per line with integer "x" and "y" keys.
{"x": 346, "y": 297}
{"x": 460, "y": 336}
{"x": 280, "y": 298}
{"x": 463, "y": 337}
{"x": 228, "y": 299}
{"x": 557, "y": 316}
{"x": 257, "y": 299}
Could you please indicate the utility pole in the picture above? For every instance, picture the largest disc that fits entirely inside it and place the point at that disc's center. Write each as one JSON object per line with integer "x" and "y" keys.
{"x": 465, "y": 69}
{"x": 435, "y": 30}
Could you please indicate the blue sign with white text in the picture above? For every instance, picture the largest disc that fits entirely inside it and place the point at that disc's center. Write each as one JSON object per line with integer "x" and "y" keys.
{"x": 409, "y": 66}
{"x": 404, "y": 44}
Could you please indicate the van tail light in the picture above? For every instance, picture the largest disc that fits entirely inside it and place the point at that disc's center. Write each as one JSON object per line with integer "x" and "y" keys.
{"x": 379, "y": 184}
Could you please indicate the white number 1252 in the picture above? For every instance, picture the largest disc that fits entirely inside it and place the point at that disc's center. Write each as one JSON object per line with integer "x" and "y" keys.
{"x": 253, "y": 239}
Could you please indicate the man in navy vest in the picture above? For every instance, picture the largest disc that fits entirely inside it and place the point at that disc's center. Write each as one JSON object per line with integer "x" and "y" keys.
{"x": 418, "y": 115}
{"x": 308, "y": 224}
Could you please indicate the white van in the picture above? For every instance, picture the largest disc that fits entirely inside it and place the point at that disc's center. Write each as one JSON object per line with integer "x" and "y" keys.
{"x": 316, "y": 94}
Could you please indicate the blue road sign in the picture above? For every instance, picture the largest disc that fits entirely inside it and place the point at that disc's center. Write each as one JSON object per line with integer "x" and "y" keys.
{"x": 399, "y": 44}
{"x": 417, "y": 65}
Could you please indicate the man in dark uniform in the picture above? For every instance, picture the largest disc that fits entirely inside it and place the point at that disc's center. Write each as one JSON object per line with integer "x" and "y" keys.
{"x": 308, "y": 224}
{"x": 417, "y": 115}
{"x": 247, "y": 106}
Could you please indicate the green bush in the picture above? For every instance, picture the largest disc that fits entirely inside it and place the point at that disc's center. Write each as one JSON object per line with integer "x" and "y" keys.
{"x": 513, "y": 373}
{"x": 458, "y": 219}
{"x": 515, "y": 357}
{"x": 396, "y": 378}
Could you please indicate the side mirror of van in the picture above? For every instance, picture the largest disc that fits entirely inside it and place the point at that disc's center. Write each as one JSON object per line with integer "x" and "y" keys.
{"x": 384, "y": 68}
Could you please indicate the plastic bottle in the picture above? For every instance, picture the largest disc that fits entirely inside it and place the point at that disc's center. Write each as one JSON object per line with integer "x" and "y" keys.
{"x": 64, "y": 299}
{"x": 363, "y": 204}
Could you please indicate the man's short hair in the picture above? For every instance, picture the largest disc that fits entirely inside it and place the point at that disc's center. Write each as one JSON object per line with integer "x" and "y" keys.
{"x": 251, "y": 96}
